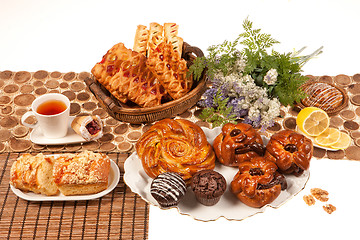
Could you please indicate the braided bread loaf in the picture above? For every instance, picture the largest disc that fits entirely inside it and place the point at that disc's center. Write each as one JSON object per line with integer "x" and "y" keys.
{"x": 175, "y": 146}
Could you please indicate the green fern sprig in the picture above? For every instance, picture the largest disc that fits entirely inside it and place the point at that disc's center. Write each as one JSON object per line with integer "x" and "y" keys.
{"x": 253, "y": 39}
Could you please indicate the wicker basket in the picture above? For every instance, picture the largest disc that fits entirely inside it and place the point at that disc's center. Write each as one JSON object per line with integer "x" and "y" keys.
{"x": 134, "y": 114}
{"x": 330, "y": 112}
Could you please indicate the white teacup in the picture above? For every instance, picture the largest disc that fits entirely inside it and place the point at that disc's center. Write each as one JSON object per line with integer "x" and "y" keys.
{"x": 53, "y": 123}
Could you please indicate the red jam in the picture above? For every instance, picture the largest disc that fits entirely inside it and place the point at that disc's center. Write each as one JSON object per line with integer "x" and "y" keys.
{"x": 110, "y": 68}
{"x": 92, "y": 127}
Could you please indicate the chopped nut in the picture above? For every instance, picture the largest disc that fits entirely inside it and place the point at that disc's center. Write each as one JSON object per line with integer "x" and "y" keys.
{"x": 320, "y": 194}
{"x": 329, "y": 208}
{"x": 309, "y": 200}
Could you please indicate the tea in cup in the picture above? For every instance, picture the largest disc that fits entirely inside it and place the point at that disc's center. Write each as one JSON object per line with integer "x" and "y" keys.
{"x": 52, "y": 113}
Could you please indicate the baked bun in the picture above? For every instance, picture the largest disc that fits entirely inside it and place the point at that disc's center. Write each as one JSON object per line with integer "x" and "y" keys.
{"x": 82, "y": 173}
{"x": 258, "y": 183}
{"x": 175, "y": 146}
{"x": 238, "y": 143}
{"x": 33, "y": 173}
{"x": 291, "y": 151}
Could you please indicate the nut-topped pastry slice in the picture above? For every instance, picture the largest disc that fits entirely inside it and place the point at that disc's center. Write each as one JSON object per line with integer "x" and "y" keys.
{"x": 83, "y": 173}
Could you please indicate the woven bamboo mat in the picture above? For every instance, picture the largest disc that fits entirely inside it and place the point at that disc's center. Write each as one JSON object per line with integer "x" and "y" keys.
{"x": 120, "y": 214}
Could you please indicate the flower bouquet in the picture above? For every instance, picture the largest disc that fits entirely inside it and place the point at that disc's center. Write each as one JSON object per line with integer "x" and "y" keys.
{"x": 249, "y": 84}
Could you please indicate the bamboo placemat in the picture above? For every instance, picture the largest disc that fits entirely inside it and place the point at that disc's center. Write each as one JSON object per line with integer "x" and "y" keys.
{"x": 120, "y": 214}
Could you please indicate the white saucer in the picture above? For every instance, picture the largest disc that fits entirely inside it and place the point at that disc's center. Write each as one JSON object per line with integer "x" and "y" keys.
{"x": 36, "y": 136}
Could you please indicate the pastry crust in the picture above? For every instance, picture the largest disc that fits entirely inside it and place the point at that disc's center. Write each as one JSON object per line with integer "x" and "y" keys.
{"x": 155, "y": 37}
{"x": 175, "y": 146}
{"x": 151, "y": 74}
{"x": 132, "y": 80}
{"x": 81, "y": 173}
{"x": 171, "y": 36}
{"x": 141, "y": 39}
{"x": 34, "y": 173}
{"x": 104, "y": 70}
{"x": 135, "y": 81}
{"x": 170, "y": 70}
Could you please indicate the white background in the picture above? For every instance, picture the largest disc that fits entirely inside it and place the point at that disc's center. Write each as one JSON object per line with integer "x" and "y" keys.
{"x": 74, "y": 35}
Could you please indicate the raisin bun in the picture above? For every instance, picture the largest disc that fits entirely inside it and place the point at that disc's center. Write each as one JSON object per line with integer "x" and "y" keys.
{"x": 238, "y": 143}
{"x": 291, "y": 151}
{"x": 257, "y": 182}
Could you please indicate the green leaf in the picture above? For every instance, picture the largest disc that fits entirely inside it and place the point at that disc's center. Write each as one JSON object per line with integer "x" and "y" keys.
{"x": 196, "y": 69}
{"x": 221, "y": 114}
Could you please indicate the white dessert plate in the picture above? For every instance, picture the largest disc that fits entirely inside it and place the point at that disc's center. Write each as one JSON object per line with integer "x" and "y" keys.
{"x": 315, "y": 145}
{"x": 228, "y": 207}
{"x": 114, "y": 177}
{"x": 36, "y": 136}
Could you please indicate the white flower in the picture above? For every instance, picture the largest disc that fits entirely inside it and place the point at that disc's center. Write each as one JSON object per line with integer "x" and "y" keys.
{"x": 262, "y": 110}
{"x": 271, "y": 77}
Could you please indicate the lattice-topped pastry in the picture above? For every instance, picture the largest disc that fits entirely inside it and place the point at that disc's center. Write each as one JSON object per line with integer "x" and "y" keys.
{"x": 149, "y": 75}
{"x": 155, "y": 37}
{"x": 170, "y": 70}
{"x": 104, "y": 70}
{"x": 141, "y": 39}
{"x": 170, "y": 33}
{"x": 322, "y": 95}
{"x": 135, "y": 81}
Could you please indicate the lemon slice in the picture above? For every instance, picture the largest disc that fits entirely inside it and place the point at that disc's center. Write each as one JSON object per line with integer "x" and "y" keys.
{"x": 313, "y": 121}
{"x": 328, "y": 138}
{"x": 343, "y": 143}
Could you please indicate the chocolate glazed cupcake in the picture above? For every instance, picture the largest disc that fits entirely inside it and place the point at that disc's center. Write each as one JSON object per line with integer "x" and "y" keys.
{"x": 168, "y": 188}
{"x": 208, "y": 186}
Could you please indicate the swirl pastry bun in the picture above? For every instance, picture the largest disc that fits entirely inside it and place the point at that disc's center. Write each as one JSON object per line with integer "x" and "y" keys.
{"x": 291, "y": 151}
{"x": 175, "y": 146}
{"x": 238, "y": 143}
{"x": 258, "y": 183}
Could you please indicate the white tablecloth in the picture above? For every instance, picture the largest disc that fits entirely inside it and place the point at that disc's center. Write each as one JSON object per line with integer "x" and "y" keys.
{"x": 74, "y": 35}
